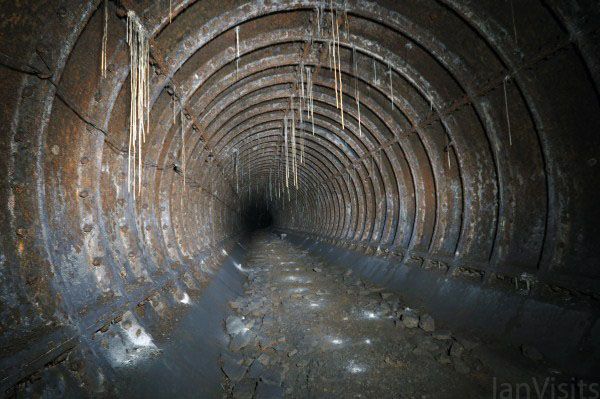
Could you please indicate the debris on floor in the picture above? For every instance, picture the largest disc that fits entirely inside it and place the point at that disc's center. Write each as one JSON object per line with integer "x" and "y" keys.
{"x": 305, "y": 328}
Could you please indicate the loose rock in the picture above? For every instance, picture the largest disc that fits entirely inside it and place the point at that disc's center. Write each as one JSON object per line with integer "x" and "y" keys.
{"x": 233, "y": 371}
{"x": 410, "y": 319}
{"x": 234, "y": 325}
{"x": 442, "y": 335}
{"x": 444, "y": 359}
{"x": 240, "y": 341}
{"x": 426, "y": 323}
{"x": 265, "y": 390}
{"x": 244, "y": 389}
{"x": 461, "y": 367}
{"x": 531, "y": 353}
{"x": 456, "y": 350}
{"x": 264, "y": 359}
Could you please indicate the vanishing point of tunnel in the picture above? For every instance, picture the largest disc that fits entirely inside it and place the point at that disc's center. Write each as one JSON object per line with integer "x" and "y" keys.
{"x": 300, "y": 199}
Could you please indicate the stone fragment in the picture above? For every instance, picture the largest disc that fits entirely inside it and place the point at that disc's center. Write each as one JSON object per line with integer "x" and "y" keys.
{"x": 468, "y": 344}
{"x": 244, "y": 389}
{"x": 456, "y": 350}
{"x": 292, "y": 353}
{"x": 250, "y": 324}
{"x": 266, "y": 342}
{"x": 256, "y": 369}
{"x": 394, "y": 362}
{"x": 233, "y": 371}
{"x": 280, "y": 347}
{"x": 383, "y": 308}
{"x": 531, "y": 353}
{"x": 240, "y": 341}
{"x": 442, "y": 335}
{"x": 429, "y": 345}
{"x": 426, "y": 323}
{"x": 264, "y": 359}
{"x": 266, "y": 390}
{"x": 419, "y": 351}
{"x": 410, "y": 319}
{"x": 273, "y": 376}
{"x": 461, "y": 367}
{"x": 443, "y": 358}
{"x": 234, "y": 325}
{"x": 317, "y": 270}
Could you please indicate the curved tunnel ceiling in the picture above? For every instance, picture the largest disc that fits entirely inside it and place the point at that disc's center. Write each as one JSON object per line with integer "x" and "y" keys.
{"x": 477, "y": 148}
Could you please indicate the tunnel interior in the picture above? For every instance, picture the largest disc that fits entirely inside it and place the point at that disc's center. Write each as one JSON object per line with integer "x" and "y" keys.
{"x": 257, "y": 216}
{"x": 445, "y": 150}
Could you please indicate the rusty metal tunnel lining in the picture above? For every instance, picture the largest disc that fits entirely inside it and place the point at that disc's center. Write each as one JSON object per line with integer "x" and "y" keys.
{"x": 433, "y": 180}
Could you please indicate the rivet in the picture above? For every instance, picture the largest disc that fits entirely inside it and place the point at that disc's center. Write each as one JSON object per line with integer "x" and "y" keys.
{"x": 27, "y": 92}
{"x": 62, "y": 12}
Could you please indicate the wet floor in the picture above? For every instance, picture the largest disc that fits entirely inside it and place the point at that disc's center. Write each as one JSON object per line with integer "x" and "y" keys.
{"x": 306, "y": 329}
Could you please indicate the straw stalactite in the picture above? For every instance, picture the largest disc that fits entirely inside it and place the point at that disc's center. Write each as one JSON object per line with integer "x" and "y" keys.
{"x": 139, "y": 55}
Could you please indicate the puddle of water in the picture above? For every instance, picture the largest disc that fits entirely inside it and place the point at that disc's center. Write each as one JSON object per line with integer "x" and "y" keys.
{"x": 370, "y": 315}
{"x": 297, "y": 290}
{"x": 355, "y": 368}
{"x": 186, "y": 299}
{"x": 296, "y": 279}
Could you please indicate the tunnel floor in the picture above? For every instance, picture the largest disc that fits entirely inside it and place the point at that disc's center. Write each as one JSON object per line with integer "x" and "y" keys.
{"x": 305, "y": 328}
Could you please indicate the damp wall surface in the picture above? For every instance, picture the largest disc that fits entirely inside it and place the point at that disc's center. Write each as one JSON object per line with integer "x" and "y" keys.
{"x": 189, "y": 362}
{"x": 476, "y": 155}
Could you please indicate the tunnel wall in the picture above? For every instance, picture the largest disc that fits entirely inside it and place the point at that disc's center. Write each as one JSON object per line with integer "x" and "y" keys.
{"x": 81, "y": 259}
{"x": 476, "y": 153}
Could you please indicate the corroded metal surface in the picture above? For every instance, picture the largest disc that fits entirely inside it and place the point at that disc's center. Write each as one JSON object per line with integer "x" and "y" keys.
{"x": 433, "y": 178}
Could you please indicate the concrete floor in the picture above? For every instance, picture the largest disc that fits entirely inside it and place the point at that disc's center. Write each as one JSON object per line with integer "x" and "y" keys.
{"x": 305, "y": 329}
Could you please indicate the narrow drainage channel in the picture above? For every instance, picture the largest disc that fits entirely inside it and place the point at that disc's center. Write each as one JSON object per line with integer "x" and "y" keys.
{"x": 304, "y": 328}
